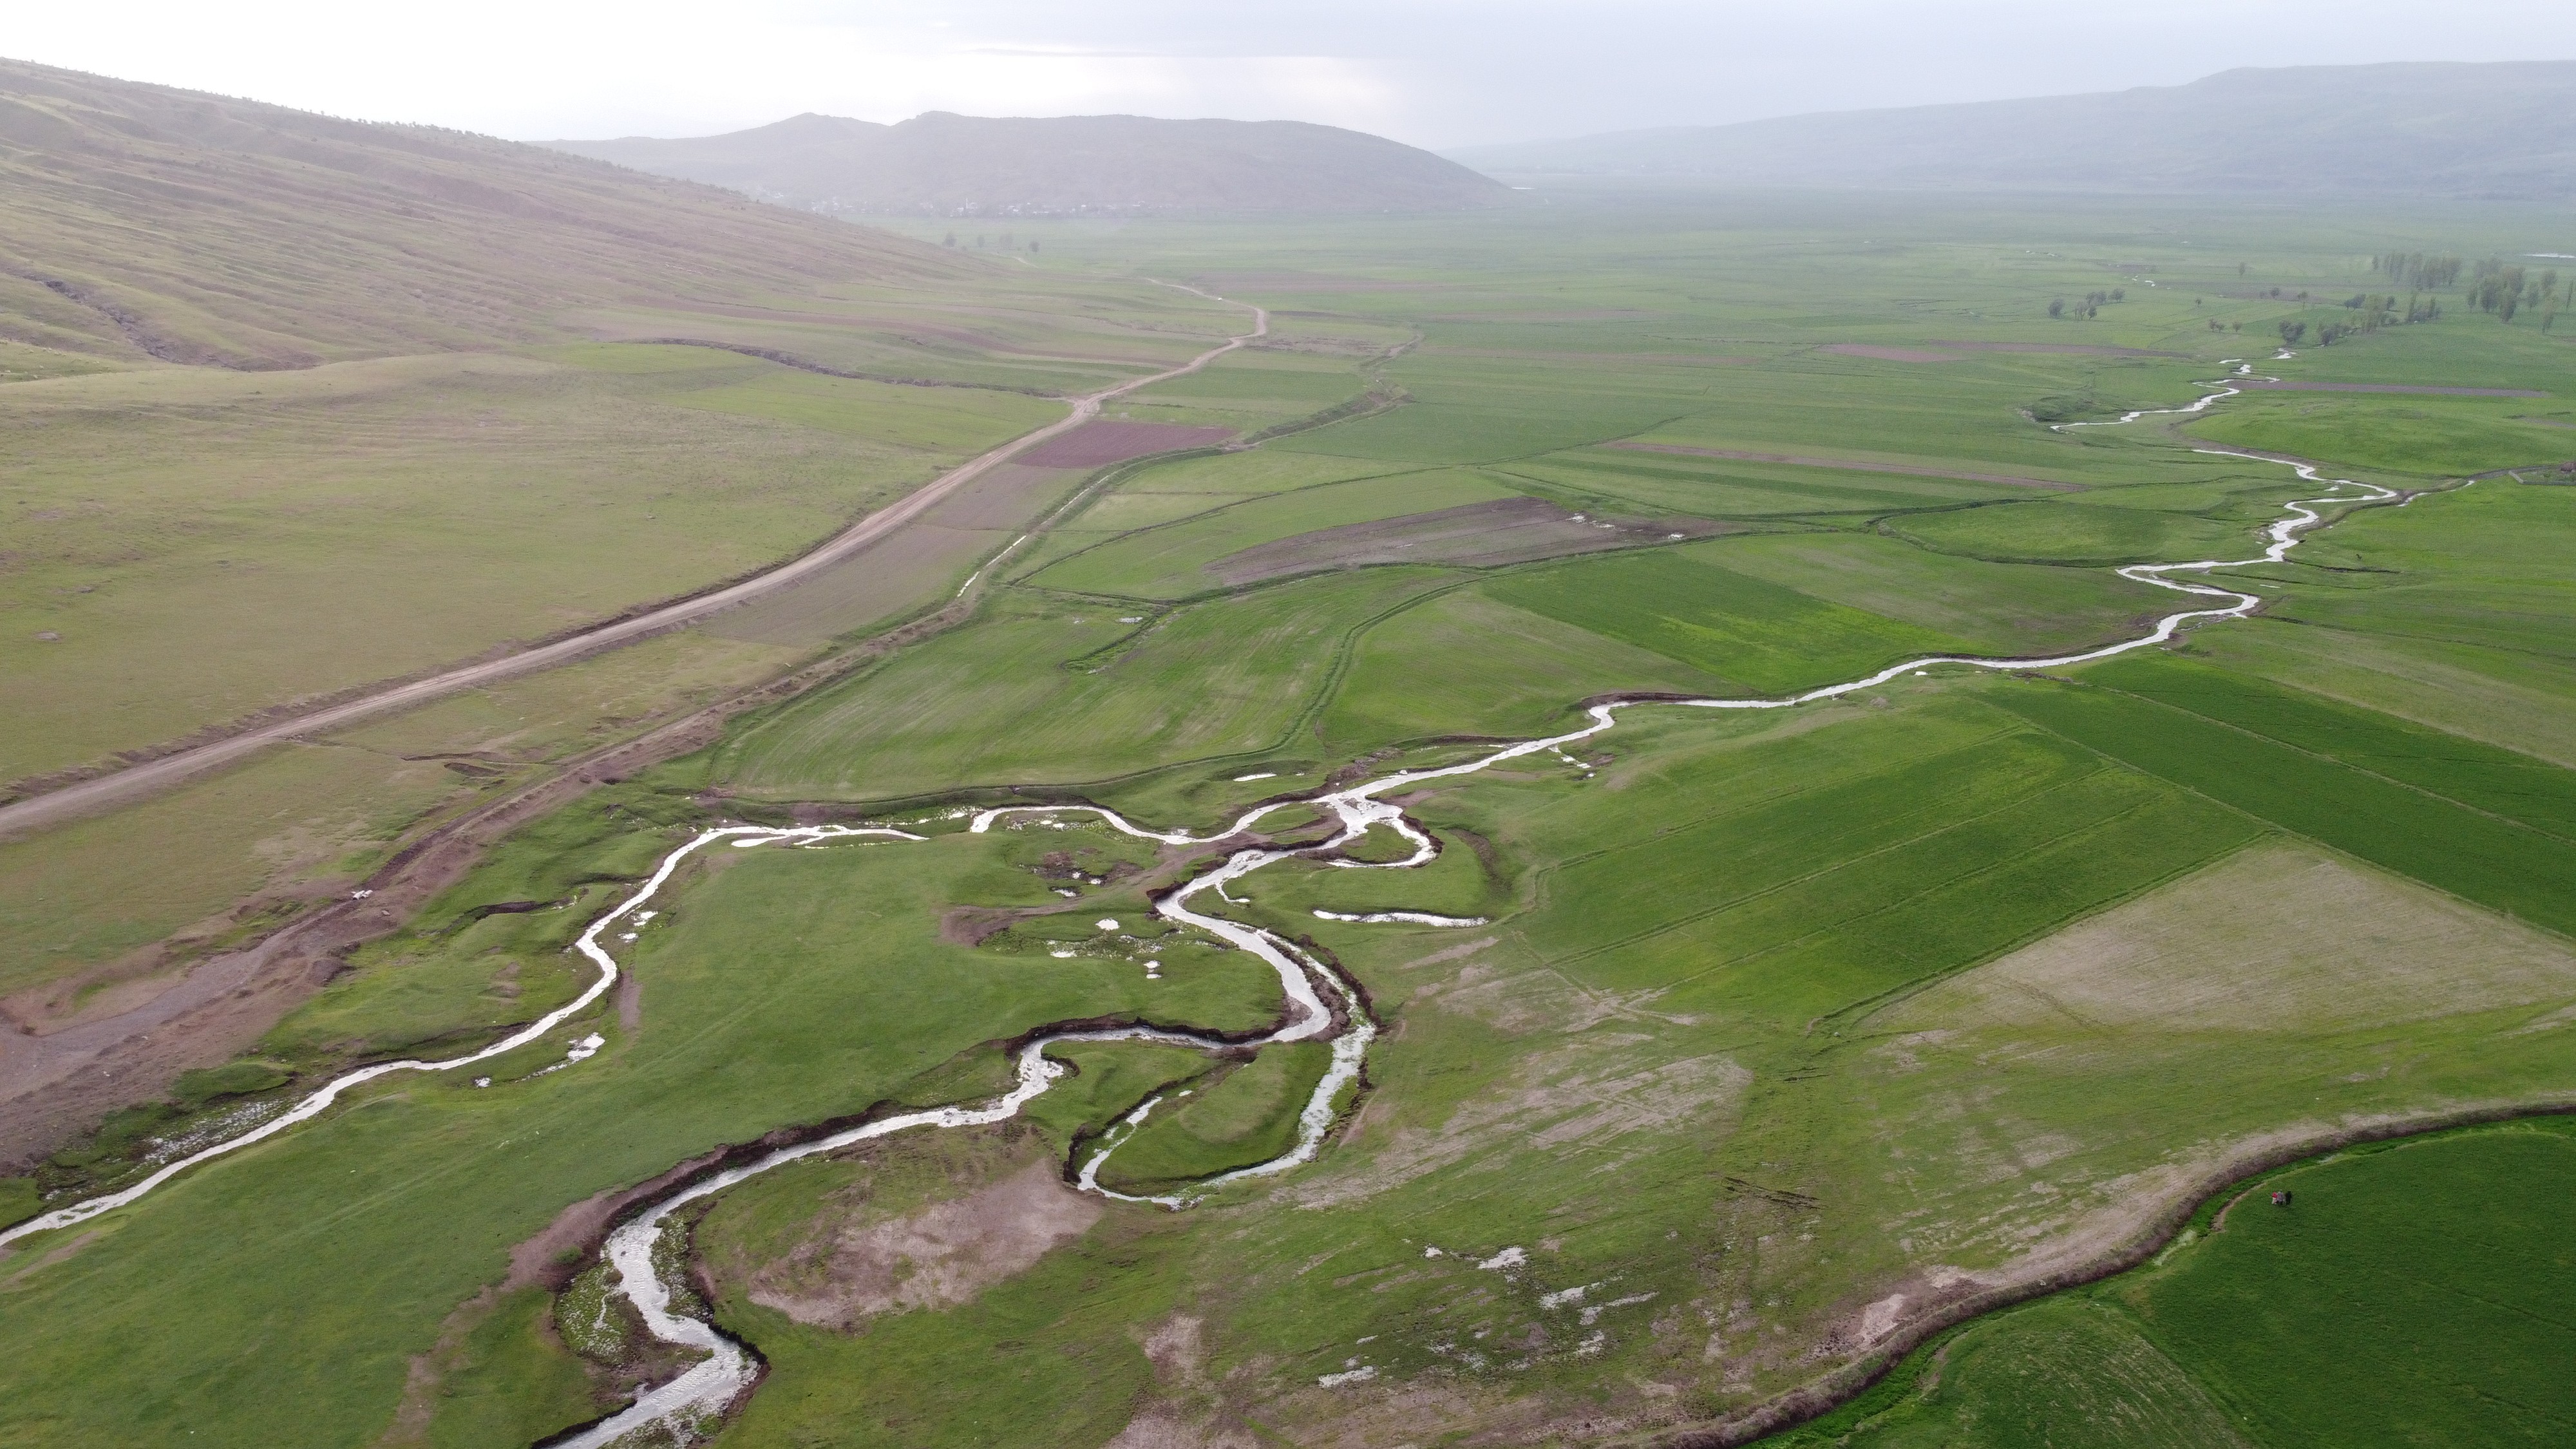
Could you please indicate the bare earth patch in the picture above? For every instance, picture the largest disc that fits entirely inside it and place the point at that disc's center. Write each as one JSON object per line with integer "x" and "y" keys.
{"x": 426, "y": 1375}
{"x": 1098, "y": 444}
{"x": 1505, "y": 530}
{"x": 548, "y": 1259}
{"x": 1604, "y": 1094}
{"x": 934, "y": 1256}
{"x": 1155, "y": 1429}
{"x": 1849, "y": 466}
{"x": 1187, "y": 1414}
{"x": 2274, "y": 938}
{"x": 1511, "y": 995}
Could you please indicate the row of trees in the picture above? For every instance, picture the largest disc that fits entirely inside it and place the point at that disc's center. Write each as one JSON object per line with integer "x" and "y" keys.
{"x": 2415, "y": 271}
{"x": 2505, "y": 290}
{"x": 2492, "y": 286}
{"x": 2376, "y": 309}
{"x": 2092, "y": 304}
{"x": 2371, "y": 311}
{"x": 2293, "y": 332}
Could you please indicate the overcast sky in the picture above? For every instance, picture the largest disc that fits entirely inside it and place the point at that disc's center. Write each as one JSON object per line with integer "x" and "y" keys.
{"x": 1432, "y": 72}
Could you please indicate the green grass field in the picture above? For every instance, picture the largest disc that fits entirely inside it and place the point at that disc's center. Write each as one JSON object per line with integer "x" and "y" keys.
{"x": 1780, "y": 1026}
{"x": 2402, "y": 1297}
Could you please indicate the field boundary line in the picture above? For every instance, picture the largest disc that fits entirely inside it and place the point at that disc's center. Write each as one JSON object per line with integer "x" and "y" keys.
{"x": 2327, "y": 846}
{"x": 2323, "y": 758}
{"x": 2022, "y": 797}
{"x": 1857, "y": 1015}
{"x": 1910, "y": 898}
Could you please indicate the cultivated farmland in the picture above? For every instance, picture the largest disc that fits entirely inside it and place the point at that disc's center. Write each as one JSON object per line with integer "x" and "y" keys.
{"x": 1721, "y": 1056}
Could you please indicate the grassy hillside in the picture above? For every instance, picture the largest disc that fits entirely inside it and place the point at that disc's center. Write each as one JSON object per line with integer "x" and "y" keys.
{"x": 151, "y": 223}
{"x": 2501, "y": 129}
{"x": 952, "y": 165}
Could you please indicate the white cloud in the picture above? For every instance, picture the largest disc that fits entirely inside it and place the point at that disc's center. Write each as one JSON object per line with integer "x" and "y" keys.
{"x": 538, "y": 70}
{"x": 1435, "y": 72}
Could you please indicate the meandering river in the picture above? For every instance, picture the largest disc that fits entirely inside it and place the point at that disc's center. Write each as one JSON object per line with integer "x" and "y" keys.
{"x": 1321, "y": 1003}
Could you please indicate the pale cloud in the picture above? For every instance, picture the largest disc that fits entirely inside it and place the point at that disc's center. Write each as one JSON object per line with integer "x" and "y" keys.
{"x": 1435, "y": 72}
{"x": 577, "y": 69}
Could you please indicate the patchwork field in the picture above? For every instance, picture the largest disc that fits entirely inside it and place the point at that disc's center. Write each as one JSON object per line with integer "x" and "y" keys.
{"x": 1727, "y": 1055}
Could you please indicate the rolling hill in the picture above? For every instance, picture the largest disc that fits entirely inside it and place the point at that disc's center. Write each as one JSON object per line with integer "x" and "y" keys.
{"x": 946, "y": 164}
{"x": 146, "y": 222}
{"x": 2504, "y": 130}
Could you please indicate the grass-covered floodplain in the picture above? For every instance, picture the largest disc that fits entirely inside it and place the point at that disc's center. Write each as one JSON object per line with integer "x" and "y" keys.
{"x": 1774, "y": 1018}
{"x": 2406, "y": 1295}
{"x": 2428, "y": 437}
{"x": 771, "y": 987}
{"x": 1244, "y": 1117}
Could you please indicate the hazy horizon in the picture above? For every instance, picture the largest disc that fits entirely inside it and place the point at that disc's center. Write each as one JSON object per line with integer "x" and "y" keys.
{"x": 1433, "y": 73}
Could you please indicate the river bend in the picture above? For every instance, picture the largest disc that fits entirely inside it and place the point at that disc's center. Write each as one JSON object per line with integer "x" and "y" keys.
{"x": 710, "y": 1387}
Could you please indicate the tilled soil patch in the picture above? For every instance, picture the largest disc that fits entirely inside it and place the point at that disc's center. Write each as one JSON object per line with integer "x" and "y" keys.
{"x": 1098, "y": 444}
{"x": 1004, "y": 1205}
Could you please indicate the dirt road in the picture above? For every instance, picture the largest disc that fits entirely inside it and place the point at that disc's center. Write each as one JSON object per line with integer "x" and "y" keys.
{"x": 141, "y": 779}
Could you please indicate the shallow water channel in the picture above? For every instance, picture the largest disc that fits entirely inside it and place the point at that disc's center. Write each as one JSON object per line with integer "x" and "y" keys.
{"x": 705, "y": 1391}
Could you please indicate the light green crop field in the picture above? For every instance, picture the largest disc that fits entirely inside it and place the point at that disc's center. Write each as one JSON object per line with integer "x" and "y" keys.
{"x": 1760, "y": 1042}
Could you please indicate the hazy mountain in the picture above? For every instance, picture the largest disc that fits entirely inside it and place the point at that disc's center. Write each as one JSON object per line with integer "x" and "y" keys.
{"x": 2492, "y": 130}
{"x": 942, "y": 164}
{"x": 142, "y": 220}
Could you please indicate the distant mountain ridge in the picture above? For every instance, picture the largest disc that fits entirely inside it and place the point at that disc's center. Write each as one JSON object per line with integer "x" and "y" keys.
{"x": 950, "y": 165}
{"x": 2494, "y": 130}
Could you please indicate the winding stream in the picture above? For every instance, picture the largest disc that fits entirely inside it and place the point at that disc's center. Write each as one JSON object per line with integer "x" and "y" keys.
{"x": 708, "y": 1388}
